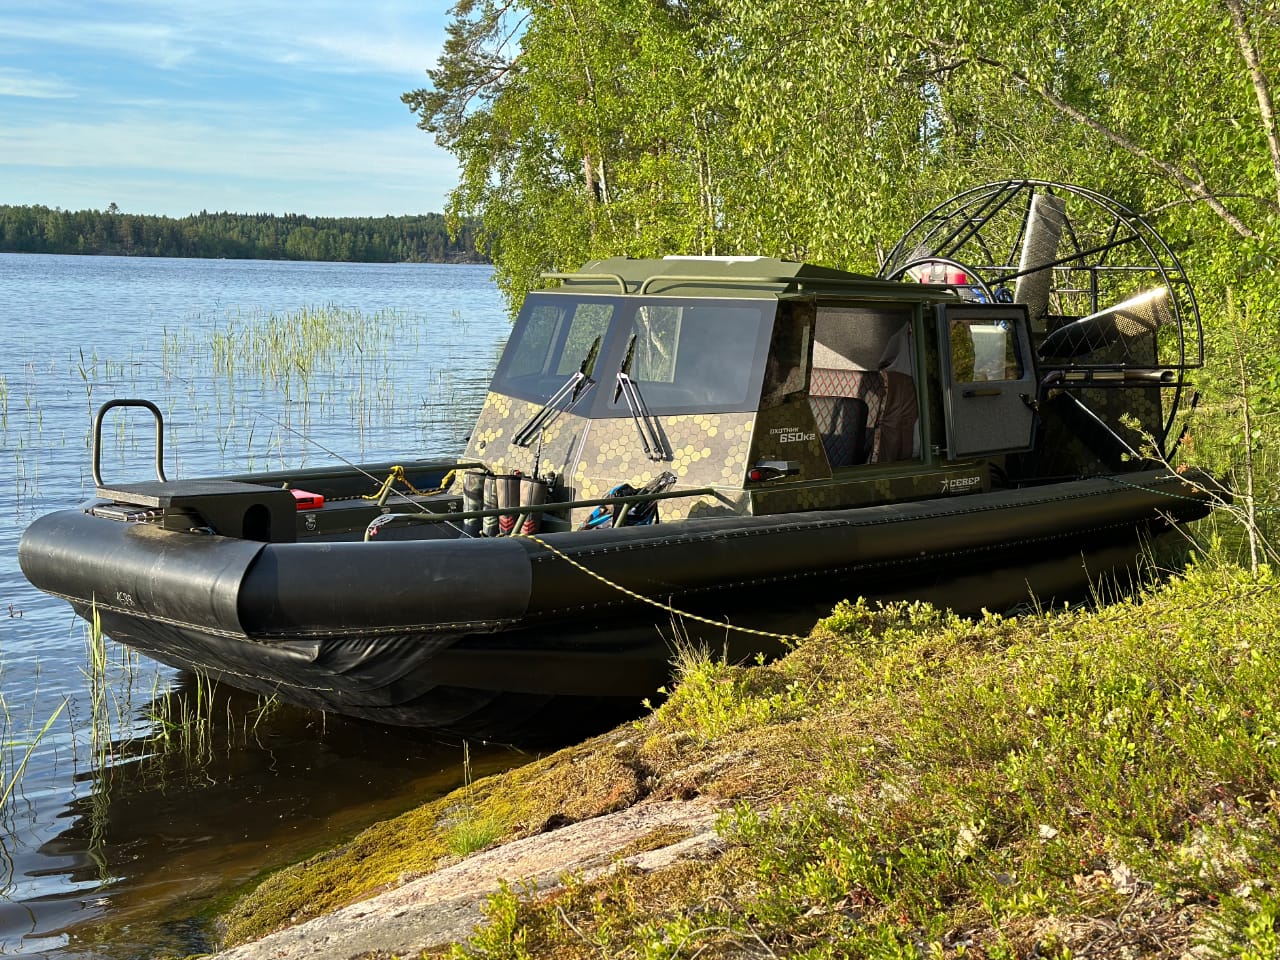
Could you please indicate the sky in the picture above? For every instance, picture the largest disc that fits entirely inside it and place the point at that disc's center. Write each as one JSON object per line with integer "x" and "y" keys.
{"x": 171, "y": 107}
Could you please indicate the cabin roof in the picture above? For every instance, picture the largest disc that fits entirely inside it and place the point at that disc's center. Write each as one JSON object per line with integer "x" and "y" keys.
{"x": 746, "y": 277}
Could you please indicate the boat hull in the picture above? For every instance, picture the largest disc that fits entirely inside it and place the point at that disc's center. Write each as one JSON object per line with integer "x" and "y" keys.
{"x": 519, "y": 638}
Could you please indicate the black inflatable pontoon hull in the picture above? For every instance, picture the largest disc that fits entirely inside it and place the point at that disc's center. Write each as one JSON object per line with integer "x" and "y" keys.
{"x": 503, "y": 638}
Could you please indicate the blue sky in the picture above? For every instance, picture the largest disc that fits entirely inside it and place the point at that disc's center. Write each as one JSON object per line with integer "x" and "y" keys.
{"x": 174, "y": 106}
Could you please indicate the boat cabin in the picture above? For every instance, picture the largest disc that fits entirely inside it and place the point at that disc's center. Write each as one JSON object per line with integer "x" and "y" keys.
{"x": 775, "y": 386}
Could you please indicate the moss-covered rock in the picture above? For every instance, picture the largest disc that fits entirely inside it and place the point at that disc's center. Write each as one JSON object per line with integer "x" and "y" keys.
{"x": 1090, "y": 781}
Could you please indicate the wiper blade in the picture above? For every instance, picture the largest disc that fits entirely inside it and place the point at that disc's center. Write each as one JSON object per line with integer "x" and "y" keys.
{"x": 588, "y": 367}
{"x": 625, "y": 368}
{"x": 569, "y": 393}
{"x": 646, "y": 425}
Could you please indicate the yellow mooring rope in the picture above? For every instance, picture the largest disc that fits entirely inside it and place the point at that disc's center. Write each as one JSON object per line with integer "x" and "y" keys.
{"x": 397, "y": 473}
{"x": 657, "y": 603}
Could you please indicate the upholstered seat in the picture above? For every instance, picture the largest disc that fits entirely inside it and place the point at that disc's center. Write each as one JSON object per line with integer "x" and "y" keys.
{"x": 846, "y": 404}
{"x": 842, "y": 427}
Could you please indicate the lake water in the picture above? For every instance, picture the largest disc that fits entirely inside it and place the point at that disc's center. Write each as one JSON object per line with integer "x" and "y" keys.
{"x": 124, "y": 824}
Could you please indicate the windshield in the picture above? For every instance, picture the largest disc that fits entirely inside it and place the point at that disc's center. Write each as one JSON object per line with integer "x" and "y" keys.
{"x": 551, "y": 340}
{"x": 690, "y": 355}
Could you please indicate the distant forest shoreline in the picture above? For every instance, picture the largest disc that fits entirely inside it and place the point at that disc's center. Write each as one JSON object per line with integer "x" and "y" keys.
{"x": 236, "y": 236}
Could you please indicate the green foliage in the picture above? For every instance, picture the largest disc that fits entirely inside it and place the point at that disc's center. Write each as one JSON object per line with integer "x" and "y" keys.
{"x": 1236, "y": 431}
{"x": 503, "y": 934}
{"x": 821, "y": 129}
{"x": 579, "y": 129}
{"x": 712, "y": 699}
{"x": 236, "y": 236}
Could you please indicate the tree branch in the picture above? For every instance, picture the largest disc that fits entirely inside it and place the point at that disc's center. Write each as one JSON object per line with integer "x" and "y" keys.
{"x": 1156, "y": 211}
{"x": 1196, "y": 188}
{"x": 1260, "y": 88}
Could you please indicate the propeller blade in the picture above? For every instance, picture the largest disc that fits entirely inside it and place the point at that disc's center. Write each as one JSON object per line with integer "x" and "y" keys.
{"x": 1045, "y": 220}
{"x": 1136, "y": 317}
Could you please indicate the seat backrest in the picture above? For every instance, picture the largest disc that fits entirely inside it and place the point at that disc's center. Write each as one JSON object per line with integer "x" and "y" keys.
{"x": 846, "y": 404}
{"x": 842, "y": 428}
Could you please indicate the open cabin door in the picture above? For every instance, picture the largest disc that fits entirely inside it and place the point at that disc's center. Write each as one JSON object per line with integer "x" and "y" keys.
{"x": 988, "y": 379}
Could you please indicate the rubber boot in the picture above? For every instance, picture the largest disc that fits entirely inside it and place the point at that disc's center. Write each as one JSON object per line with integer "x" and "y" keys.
{"x": 533, "y": 492}
{"x": 508, "y": 485}
{"x": 473, "y": 499}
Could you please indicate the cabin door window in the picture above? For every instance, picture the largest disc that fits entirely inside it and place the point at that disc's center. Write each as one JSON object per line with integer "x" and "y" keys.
{"x": 988, "y": 380}
{"x": 864, "y": 385}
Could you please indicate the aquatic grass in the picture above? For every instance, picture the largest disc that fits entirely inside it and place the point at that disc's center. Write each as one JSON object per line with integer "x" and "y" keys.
{"x": 10, "y": 782}
{"x": 293, "y": 368}
{"x": 87, "y": 382}
{"x": 276, "y": 347}
{"x": 195, "y": 722}
{"x": 19, "y": 480}
{"x": 183, "y": 723}
{"x": 100, "y": 725}
{"x": 111, "y": 675}
{"x": 186, "y": 726}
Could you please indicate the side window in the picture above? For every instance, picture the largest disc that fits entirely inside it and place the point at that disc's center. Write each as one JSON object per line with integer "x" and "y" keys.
{"x": 988, "y": 376}
{"x": 983, "y": 350}
{"x": 539, "y": 334}
{"x": 863, "y": 389}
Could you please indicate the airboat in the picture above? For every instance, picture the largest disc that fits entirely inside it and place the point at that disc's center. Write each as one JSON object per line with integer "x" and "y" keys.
{"x": 688, "y": 445}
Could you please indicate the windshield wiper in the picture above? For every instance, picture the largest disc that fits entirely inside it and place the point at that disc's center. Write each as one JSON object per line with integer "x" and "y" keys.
{"x": 646, "y": 426}
{"x": 570, "y": 392}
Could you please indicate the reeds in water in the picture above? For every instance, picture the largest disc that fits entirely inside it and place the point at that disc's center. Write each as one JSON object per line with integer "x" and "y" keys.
{"x": 12, "y": 774}
{"x": 187, "y": 724}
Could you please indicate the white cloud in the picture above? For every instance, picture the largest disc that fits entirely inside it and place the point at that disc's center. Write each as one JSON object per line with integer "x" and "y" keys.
{"x": 349, "y": 172}
{"x": 398, "y": 56}
{"x": 194, "y": 148}
{"x": 155, "y": 43}
{"x": 272, "y": 105}
{"x": 24, "y": 83}
{"x": 383, "y": 37}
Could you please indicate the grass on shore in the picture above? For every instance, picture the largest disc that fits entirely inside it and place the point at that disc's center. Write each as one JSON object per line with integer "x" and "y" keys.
{"x": 907, "y": 783}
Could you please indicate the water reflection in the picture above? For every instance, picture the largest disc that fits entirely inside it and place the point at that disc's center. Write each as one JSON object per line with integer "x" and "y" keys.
{"x": 86, "y": 856}
{"x": 179, "y": 818}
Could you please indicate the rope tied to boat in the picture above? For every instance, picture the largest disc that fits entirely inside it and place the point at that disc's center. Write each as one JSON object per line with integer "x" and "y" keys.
{"x": 668, "y": 608}
{"x": 397, "y": 474}
{"x": 1208, "y": 496}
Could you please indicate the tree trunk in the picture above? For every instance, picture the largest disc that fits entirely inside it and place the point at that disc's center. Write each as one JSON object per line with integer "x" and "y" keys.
{"x": 1266, "y": 110}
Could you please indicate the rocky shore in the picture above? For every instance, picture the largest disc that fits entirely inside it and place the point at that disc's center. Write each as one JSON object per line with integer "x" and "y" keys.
{"x": 446, "y": 906}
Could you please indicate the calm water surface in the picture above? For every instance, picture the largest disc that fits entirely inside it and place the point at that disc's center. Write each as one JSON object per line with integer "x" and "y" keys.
{"x": 110, "y": 842}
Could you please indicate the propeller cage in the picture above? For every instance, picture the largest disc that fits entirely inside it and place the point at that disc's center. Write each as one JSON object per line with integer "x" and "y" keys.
{"x": 1109, "y": 302}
